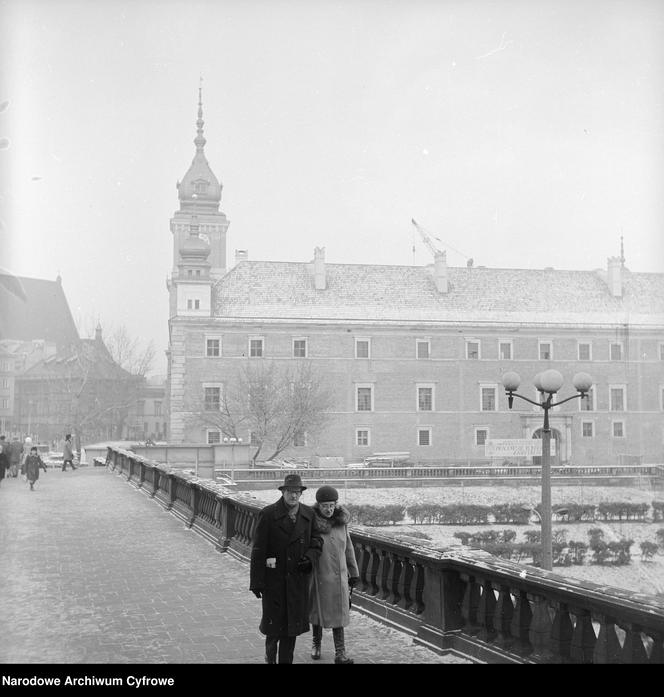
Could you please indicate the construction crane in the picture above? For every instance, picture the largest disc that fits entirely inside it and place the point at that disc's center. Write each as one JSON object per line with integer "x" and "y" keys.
{"x": 428, "y": 240}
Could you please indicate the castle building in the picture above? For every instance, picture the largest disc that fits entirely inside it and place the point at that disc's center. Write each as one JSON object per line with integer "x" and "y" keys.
{"x": 416, "y": 354}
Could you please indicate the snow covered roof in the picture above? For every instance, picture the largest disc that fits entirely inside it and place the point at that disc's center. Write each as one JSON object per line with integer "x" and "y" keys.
{"x": 285, "y": 290}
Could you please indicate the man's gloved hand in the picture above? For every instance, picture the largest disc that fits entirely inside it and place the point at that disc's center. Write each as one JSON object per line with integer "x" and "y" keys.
{"x": 258, "y": 594}
{"x": 304, "y": 565}
{"x": 353, "y": 581}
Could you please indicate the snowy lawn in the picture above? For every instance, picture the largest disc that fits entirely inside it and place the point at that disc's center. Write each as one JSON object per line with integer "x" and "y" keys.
{"x": 640, "y": 576}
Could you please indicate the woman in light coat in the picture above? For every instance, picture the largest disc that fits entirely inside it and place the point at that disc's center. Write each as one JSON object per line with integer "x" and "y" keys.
{"x": 335, "y": 572}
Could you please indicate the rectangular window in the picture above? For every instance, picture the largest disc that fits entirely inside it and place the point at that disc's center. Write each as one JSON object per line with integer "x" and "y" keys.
{"x": 362, "y": 436}
{"x": 587, "y": 429}
{"x": 213, "y": 347}
{"x": 618, "y": 429}
{"x": 584, "y": 351}
{"x": 362, "y": 348}
{"x": 253, "y": 439}
{"x": 5, "y": 383}
{"x": 140, "y": 407}
{"x": 587, "y": 403}
{"x": 472, "y": 350}
{"x": 213, "y": 437}
{"x": 300, "y": 439}
{"x": 423, "y": 348}
{"x": 212, "y": 398}
{"x": 545, "y": 351}
{"x": 488, "y": 400}
{"x": 617, "y": 398}
{"x": 256, "y": 347}
{"x": 481, "y": 436}
{"x": 505, "y": 350}
{"x": 193, "y": 304}
{"x": 615, "y": 351}
{"x": 425, "y": 398}
{"x": 365, "y": 398}
{"x": 424, "y": 436}
{"x": 299, "y": 348}
{"x": 157, "y": 408}
{"x": 4, "y": 403}
{"x": 661, "y": 352}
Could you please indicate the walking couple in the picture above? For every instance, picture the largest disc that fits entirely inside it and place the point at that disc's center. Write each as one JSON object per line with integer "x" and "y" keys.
{"x": 303, "y": 568}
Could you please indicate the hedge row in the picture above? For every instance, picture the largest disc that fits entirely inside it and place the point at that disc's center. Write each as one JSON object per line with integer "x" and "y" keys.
{"x": 502, "y": 513}
{"x": 563, "y": 553}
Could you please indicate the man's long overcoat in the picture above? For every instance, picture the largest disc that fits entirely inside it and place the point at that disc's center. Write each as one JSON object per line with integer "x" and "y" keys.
{"x": 285, "y": 590}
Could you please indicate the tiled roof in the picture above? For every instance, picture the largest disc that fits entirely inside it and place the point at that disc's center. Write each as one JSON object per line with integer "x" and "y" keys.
{"x": 89, "y": 357}
{"x": 42, "y": 314}
{"x": 264, "y": 289}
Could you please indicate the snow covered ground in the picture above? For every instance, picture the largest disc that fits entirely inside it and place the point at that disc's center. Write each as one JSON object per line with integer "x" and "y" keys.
{"x": 640, "y": 576}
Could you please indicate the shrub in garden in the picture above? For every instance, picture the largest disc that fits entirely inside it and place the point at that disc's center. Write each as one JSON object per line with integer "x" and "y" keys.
{"x": 648, "y": 550}
{"x": 578, "y": 552}
{"x": 533, "y": 537}
{"x": 463, "y": 536}
{"x": 376, "y": 515}
{"x": 657, "y": 510}
{"x": 660, "y": 538}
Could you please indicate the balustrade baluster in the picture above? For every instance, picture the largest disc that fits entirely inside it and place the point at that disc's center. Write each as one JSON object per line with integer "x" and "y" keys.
{"x": 372, "y": 569}
{"x": 403, "y": 584}
{"x": 607, "y": 647}
{"x": 471, "y": 600}
{"x": 540, "y": 629}
{"x": 583, "y": 643}
{"x": 393, "y": 576}
{"x": 417, "y": 589}
{"x": 381, "y": 574}
{"x": 520, "y": 627}
{"x": 502, "y": 618}
{"x": 657, "y": 650}
{"x": 633, "y": 650}
{"x": 561, "y": 633}
{"x": 485, "y": 612}
{"x": 362, "y": 563}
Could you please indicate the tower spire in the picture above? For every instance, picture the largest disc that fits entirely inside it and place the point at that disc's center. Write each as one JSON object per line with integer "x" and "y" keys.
{"x": 622, "y": 252}
{"x": 200, "y": 141}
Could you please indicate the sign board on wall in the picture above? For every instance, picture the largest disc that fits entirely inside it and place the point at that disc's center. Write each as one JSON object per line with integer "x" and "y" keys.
{"x": 516, "y": 447}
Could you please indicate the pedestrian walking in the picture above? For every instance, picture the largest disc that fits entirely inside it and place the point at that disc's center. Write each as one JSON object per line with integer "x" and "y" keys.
{"x": 15, "y": 451}
{"x": 4, "y": 457}
{"x": 334, "y": 575}
{"x": 284, "y": 550}
{"x": 67, "y": 453}
{"x": 31, "y": 467}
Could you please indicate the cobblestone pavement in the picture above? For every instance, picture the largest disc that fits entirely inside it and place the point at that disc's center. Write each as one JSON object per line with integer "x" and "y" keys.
{"x": 93, "y": 571}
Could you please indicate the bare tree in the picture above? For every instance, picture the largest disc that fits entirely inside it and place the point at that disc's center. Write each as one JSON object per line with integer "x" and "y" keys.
{"x": 275, "y": 403}
{"x": 128, "y": 353}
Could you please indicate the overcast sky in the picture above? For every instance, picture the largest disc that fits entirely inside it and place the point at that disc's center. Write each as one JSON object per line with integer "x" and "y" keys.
{"x": 521, "y": 133}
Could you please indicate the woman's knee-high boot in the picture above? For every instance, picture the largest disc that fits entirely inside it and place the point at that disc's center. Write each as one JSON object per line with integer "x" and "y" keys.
{"x": 316, "y": 641}
{"x": 340, "y": 646}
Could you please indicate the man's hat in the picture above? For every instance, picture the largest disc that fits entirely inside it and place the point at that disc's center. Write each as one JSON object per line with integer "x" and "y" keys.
{"x": 292, "y": 481}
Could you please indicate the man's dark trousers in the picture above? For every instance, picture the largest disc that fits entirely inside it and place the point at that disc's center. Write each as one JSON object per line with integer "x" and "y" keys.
{"x": 286, "y": 648}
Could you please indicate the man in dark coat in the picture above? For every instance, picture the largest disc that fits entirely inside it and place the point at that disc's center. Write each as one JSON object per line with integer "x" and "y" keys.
{"x": 284, "y": 549}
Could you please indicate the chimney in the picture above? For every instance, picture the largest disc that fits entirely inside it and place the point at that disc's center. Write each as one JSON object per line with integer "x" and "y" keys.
{"x": 440, "y": 272}
{"x": 614, "y": 276}
{"x": 319, "y": 268}
{"x": 241, "y": 255}
{"x": 98, "y": 332}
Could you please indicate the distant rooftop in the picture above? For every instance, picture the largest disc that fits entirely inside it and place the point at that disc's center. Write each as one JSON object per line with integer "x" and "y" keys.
{"x": 43, "y": 312}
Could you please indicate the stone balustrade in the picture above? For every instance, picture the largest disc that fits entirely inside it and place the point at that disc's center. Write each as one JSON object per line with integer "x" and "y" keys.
{"x": 463, "y": 601}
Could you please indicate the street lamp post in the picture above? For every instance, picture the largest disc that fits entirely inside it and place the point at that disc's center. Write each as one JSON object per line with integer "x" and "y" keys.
{"x": 547, "y": 383}
{"x": 233, "y": 441}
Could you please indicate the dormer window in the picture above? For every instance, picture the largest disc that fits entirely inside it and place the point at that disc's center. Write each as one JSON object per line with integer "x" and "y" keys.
{"x": 200, "y": 186}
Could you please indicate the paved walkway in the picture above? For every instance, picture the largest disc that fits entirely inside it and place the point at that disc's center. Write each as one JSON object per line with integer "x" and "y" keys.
{"x": 93, "y": 571}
